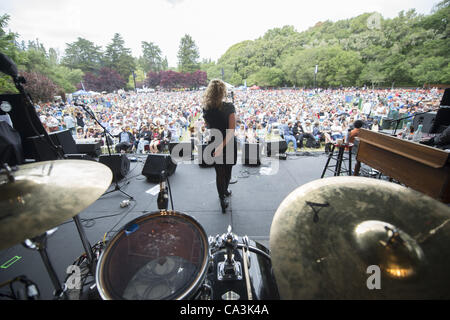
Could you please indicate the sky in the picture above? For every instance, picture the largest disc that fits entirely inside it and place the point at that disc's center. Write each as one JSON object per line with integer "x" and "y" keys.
{"x": 214, "y": 25}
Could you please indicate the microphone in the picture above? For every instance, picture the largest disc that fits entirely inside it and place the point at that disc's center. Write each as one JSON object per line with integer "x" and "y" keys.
{"x": 7, "y": 66}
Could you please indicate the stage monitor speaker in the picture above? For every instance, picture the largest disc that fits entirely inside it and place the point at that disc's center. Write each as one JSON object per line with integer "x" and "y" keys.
{"x": 64, "y": 139}
{"x": 426, "y": 120}
{"x": 251, "y": 154}
{"x": 155, "y": 164}
{"x": 118, "y": 163}
{"x": 276, "y": 147}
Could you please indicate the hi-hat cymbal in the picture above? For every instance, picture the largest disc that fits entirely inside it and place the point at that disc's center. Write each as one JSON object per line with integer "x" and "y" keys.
{"x": 360, "y": 238}
{"x": 45, "y": 194}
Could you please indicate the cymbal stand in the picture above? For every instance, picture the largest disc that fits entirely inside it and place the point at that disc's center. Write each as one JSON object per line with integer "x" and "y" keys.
{"x": 39, "y": 243}
{"x": 105, "y": 134}
{"x": 87, "y": 246}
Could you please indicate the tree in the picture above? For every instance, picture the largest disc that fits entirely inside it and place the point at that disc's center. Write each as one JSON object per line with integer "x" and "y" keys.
{"x": 40, "y": 88}
{"x": 151, "y": 59}
{"x": 8, "y": 47}
{"x": 119, "y": 58}
{"x": 105, "y": 80}
{"x": 188, "y": 55}
{"x": 83, "y": 54}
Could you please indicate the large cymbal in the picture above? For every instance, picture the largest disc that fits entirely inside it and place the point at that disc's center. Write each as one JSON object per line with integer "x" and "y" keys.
{"x": 327, "y": 235}
{"x": 46, "y": 194}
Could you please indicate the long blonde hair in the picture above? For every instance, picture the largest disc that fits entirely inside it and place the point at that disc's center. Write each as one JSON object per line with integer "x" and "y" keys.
{"x": 214, "y": 94}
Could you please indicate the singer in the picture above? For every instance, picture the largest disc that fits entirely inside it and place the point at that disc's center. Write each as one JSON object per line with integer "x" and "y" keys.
{"x": 221, "y": 116}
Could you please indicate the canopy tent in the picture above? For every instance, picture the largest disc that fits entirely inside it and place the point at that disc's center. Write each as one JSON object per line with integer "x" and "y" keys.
{"x": 229, "y": 86}
{"x": 81, "y": 93}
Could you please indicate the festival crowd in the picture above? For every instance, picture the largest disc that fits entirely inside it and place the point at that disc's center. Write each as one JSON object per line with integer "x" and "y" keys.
{"x": 147, "y": 121}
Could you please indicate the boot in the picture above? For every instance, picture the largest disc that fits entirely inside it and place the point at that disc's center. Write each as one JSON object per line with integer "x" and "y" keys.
{"x": 223, "y": 204}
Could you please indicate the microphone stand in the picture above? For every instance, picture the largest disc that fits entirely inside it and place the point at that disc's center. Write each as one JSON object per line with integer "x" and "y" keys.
{"x": 105, "y": 134}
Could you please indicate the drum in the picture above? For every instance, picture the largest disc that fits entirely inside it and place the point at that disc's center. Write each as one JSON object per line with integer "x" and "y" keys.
{"x": 161, "y": 255}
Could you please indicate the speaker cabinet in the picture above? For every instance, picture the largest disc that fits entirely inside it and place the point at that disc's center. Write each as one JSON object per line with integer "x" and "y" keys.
{"x": 155, "y": 164}
{"x": 118, "y": 163}
{"x": 64, "y": 139}
{"x": 251, "y": 154}
{"x": 276, "y": 147}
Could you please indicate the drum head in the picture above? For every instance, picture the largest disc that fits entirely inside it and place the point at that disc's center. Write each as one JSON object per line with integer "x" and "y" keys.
{"x": 161, "y": 255}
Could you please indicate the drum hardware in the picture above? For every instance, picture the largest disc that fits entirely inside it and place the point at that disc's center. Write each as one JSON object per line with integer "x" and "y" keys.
{"x": 229, "y": 269}
{"x": 39, "y": 244}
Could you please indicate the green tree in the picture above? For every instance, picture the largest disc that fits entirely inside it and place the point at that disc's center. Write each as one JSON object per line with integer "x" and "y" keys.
{"x": 118, "y": 57}
{"x": 8, "y": 47}
{"x": 151, "y": 59}
{"x": 188, "y": 55}
{"x": 83, "y": 54}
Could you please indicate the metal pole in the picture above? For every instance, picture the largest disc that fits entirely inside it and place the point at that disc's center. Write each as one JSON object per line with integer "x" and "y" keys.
{"x": 85, "y": 242}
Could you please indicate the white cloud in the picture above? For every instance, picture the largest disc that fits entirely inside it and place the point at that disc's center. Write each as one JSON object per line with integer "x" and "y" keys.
{"x": 214, "y": 25}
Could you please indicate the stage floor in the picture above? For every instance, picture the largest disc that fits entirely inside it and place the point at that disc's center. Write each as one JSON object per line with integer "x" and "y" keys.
{"x": 255, "y": 198}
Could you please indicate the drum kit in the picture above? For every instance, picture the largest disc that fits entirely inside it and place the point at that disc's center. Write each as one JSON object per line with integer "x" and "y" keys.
{"x": 333, "y": 238}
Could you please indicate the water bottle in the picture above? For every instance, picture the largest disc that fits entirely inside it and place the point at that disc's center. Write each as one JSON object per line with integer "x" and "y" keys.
{"x": 418, "y": 134}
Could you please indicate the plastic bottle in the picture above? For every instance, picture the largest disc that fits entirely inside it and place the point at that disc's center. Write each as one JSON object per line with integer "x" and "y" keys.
{"x": 418, "y": 133}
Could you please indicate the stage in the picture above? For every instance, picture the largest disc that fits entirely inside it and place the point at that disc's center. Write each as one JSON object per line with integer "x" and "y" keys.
{"x": 256, "y": 195}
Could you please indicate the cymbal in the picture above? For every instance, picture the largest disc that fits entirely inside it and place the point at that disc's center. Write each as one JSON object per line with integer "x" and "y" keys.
{"x": 46, "y": 194}
{"x": 360, "y": 238}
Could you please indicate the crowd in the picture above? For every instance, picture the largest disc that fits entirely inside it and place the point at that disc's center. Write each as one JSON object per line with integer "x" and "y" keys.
{"x": 147, "y": 122}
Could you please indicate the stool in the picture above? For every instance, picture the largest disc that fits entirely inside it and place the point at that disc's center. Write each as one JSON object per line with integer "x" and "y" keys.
{"x": 340, "y": 159}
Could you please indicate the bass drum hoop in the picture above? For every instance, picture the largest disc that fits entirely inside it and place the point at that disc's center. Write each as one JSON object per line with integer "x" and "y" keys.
{"x": 195, "y": 285}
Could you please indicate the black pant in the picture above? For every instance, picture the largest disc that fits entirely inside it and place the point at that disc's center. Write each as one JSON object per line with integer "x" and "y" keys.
{"x": 123, "y": 146}
{"x": 223, "y": 177}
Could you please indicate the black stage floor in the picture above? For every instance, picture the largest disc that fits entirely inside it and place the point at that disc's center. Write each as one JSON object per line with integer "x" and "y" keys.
{"x": 256, "y": 196}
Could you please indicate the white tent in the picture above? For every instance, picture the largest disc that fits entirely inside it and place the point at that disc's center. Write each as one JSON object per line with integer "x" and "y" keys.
{"x": 229, "y": 86}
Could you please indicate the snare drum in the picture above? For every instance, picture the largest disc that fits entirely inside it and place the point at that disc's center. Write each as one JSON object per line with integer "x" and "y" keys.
{"x": 161, "y": 255}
